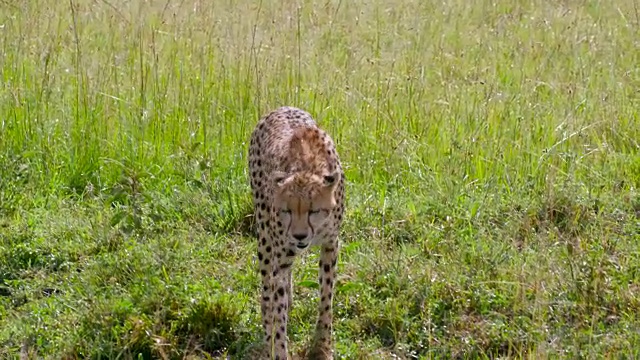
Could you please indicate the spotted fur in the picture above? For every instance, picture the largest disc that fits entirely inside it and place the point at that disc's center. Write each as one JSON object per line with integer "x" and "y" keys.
{"x": 298, "y": 195}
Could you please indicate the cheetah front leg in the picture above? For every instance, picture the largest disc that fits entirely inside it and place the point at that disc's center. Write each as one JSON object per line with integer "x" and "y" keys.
{"x": 279, "y": 296}
{"x": 322, "y": 346}
{"x": 288, "y": 276}
{"x": 266, "y": 301}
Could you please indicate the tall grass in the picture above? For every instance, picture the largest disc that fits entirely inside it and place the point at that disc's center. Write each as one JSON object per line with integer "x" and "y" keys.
{"x": 491, "y": 150}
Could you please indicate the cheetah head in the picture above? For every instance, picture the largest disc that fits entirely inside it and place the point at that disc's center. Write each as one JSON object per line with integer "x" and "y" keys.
{"x": 303, "y": 202}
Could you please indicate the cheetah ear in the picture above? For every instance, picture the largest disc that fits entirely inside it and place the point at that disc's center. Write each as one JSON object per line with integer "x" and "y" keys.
{"x": 330, "y": 179}
{"x": 279, "y": 178}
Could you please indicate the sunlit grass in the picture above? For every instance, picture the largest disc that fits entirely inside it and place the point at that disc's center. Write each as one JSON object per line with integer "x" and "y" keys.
{"x": 491, "y": 150}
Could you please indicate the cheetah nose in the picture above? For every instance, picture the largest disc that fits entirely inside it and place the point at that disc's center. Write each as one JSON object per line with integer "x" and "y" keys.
{"x": 300, "y": 237}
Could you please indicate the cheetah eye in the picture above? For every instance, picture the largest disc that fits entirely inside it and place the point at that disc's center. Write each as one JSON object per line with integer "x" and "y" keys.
{"x": 312, "y": 212}
{"x": 285, "y": 211}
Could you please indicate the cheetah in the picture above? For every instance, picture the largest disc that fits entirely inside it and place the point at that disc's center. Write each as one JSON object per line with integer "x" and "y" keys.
{"x": 297, "y": 183}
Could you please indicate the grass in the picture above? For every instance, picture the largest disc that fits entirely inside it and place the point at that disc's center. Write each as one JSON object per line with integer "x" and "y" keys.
{"x": 491, "y": 150}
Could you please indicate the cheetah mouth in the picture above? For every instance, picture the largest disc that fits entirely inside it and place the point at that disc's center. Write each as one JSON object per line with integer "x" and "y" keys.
{"x": 302, "y": 246}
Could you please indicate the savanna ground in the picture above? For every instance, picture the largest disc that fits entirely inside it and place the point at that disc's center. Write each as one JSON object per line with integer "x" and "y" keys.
{"x": 491, "y": 149}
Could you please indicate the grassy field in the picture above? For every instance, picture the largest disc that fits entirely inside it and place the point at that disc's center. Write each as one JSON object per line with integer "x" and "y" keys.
{"x": 492, "y": 150}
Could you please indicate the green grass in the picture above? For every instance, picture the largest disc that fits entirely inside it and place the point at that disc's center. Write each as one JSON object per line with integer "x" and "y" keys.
{"x": 492, "y": 151}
